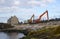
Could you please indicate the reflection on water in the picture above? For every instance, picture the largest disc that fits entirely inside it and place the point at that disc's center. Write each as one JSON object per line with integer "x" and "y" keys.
{"x": 11, "y": 35}
{"x": 3, "y": 35}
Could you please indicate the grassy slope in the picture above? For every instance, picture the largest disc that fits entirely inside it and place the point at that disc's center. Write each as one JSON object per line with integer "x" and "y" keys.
{"x": 45, "y": 33}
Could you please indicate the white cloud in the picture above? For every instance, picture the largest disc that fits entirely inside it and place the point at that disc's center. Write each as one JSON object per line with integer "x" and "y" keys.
{"x": 2, "y": 1}
{"x": 15, "y": 7}
{"x": 34, "y": 2}
{"x": 40, "y": 3}
{"x": 50, "y": 1}
{"x": 26, "y": 3}
{"x": 16, "y": 3}
{"x": 4, "y": 9}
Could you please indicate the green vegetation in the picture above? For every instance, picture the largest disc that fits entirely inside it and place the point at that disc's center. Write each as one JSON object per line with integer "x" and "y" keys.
{"x": 44, "y": 33}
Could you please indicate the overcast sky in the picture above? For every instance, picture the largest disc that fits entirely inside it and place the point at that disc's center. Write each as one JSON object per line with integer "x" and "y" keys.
{"x": 24, "y": 9}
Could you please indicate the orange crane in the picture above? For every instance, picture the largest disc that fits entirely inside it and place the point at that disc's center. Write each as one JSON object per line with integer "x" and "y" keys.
{"x": 31, "y": 19}
{"x": 39, "y": 19}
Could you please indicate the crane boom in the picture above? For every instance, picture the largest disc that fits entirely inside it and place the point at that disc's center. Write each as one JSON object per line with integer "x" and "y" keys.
{"x": 46, "y": 12}
{"x": 39, "y": 19}
{"x": 31, "y": 19}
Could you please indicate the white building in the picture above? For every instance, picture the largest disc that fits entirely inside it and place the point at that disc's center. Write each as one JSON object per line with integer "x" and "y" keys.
{"x": 13, "y": 20}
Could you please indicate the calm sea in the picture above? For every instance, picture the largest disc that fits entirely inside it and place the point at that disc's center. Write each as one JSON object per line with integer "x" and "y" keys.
{"x": 11, "y": 35}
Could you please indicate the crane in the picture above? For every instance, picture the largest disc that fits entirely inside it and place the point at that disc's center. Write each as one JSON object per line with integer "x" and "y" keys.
{"x": 39, "y": 19}
{"x": 31, "y": 19}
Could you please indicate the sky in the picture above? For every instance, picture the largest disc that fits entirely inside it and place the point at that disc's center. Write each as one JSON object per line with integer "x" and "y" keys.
{"x": 24, "y": 9}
